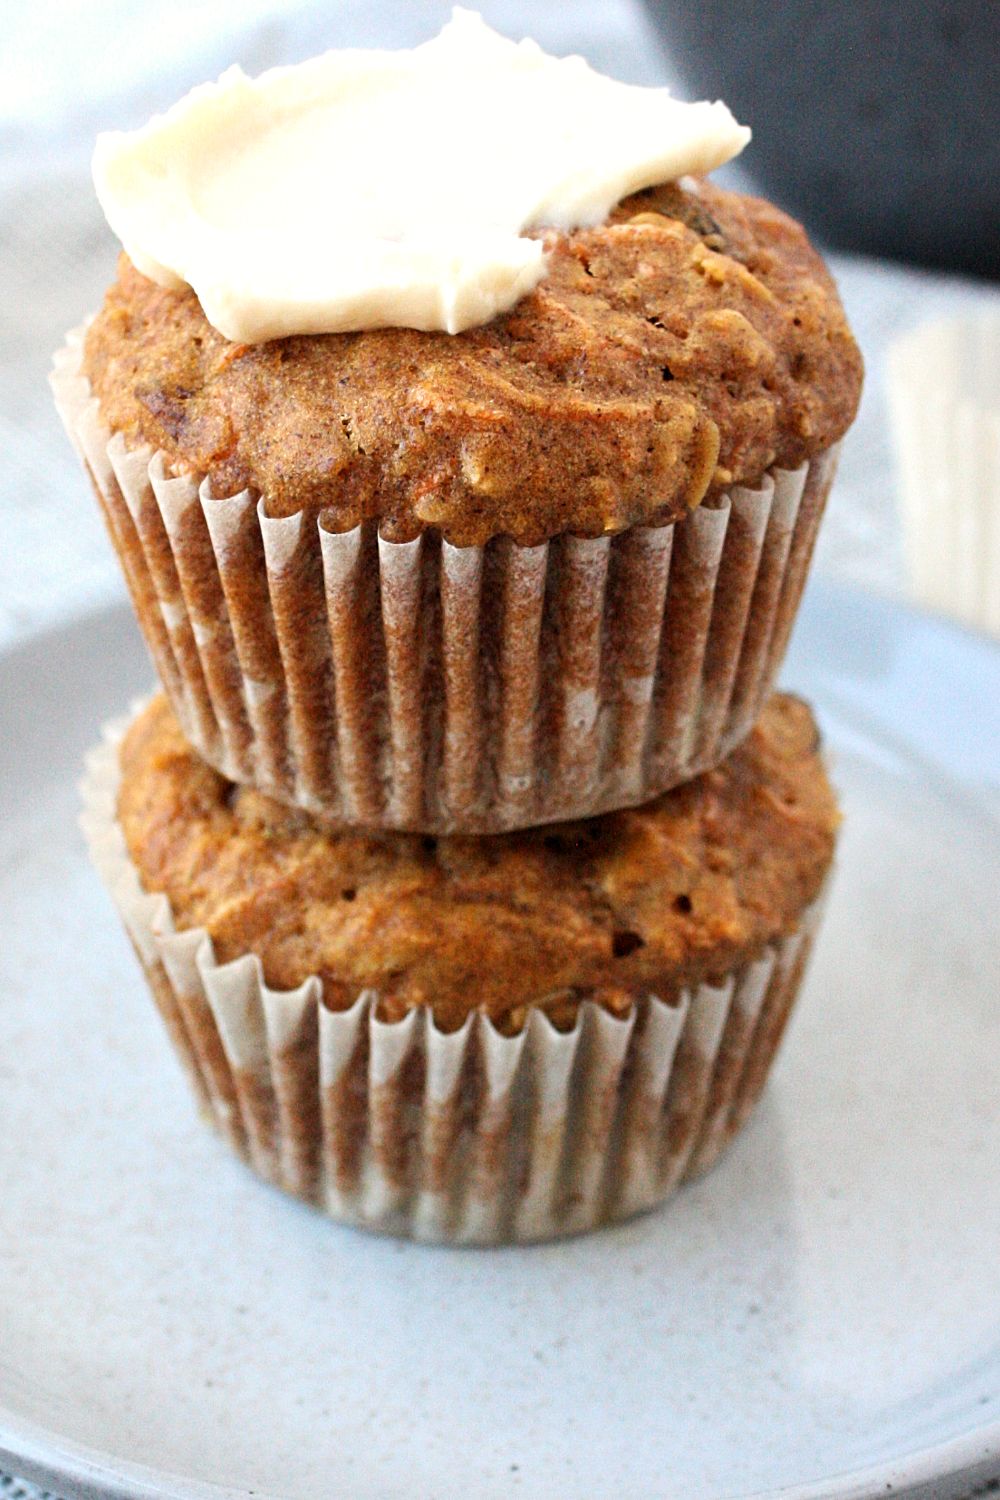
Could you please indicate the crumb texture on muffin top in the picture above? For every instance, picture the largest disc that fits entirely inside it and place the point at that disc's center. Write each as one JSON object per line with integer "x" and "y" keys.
{"x": 642, "y": 901}
{"x": 687, "y": 344}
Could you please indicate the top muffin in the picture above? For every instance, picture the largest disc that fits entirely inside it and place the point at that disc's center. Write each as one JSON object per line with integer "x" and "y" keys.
{"x": 689, "y": 343}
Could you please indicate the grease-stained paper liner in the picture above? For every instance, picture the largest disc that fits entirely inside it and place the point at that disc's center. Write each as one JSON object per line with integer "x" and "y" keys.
{"x": 469, "y": 1137}
{"x": 433, "y": 688}
{"x": 944, "y": 390}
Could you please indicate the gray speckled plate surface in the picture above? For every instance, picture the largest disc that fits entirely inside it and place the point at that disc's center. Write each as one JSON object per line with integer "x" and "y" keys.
{"x": 818, "y": 1317}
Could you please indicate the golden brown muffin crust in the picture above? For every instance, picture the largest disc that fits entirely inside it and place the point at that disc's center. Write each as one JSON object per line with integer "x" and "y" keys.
{"x": 642, "y": 901}
{"x": 687, "y": 344}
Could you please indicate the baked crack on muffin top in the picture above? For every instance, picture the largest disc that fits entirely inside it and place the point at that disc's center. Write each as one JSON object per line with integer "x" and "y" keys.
{"x": 687, "y": 344}
{"x": 648, "y": 900}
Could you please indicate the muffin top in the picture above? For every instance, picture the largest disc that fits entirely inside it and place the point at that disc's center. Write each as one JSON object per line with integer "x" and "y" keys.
{"x": 688, "y": 343}
{"x": 647, "y": 900}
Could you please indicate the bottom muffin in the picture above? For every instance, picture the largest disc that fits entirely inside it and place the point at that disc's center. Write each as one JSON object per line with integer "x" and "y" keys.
{"x": 471, "y": 1040}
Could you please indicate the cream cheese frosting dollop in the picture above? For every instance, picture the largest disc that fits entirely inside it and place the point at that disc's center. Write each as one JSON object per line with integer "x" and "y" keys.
{"x": 368, "y": 189}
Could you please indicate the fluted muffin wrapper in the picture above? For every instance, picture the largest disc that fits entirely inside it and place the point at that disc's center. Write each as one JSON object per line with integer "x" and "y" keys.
{"x": 944, "y": 390}
{"x": 421, "y": 686}
{"x": 464, "y": 1137}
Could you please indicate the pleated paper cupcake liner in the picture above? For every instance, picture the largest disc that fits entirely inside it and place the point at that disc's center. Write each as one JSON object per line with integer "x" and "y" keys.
{"x": 468, "y": 1137}
{"x": 944, "y": 390}
{"x": 426, "y": 687}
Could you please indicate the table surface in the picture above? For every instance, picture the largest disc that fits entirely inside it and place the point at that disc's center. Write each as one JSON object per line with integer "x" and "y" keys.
{"x": 63, "y": 77}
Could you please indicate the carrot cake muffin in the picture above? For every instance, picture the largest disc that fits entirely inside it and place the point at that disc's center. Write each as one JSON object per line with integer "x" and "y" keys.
{"x": 458, "y": 581}
{"x": 426, "y": 1014}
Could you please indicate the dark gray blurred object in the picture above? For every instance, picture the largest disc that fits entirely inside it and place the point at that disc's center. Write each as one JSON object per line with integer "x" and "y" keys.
{"x": 876, "y": 121}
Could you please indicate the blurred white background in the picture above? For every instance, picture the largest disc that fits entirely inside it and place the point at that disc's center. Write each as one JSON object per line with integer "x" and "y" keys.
{"x": 69, "y": 68}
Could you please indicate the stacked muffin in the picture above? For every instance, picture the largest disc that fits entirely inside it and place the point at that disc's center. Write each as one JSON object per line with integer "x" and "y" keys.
{"x": 470, "y": 859}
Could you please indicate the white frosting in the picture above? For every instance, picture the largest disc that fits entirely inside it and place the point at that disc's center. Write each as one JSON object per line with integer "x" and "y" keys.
{"x": 369, "y": 189}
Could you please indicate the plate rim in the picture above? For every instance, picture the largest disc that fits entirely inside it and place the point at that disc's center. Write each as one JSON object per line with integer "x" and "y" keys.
{"x": 35, "y": 1452}
{"x": 960, "y": 1461}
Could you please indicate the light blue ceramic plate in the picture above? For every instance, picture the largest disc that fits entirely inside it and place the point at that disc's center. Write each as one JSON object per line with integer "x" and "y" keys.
{"x": 818, "y": 1317}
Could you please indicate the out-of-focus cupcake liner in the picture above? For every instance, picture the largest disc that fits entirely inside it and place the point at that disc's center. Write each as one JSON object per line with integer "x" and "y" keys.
{"x": 469, "y": 1137}
{"x": 427, "y": 687}
{"x": 944, "y": 390}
